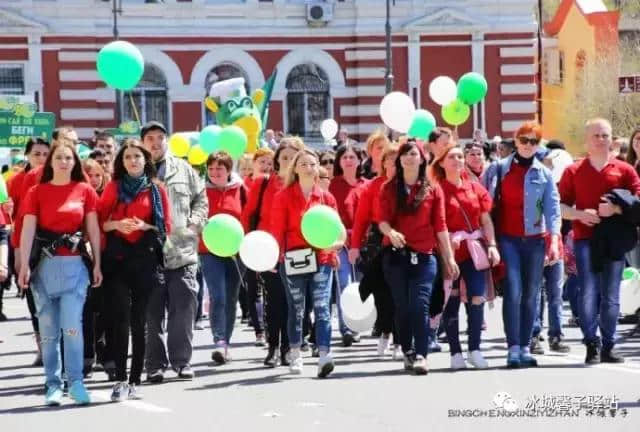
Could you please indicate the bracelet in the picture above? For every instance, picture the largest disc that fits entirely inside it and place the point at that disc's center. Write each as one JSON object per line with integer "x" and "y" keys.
{"x": 492, "y": 245}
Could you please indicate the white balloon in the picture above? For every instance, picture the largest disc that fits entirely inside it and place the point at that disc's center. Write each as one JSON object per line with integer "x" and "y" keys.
{"x": 358, "y": 316}
{"x": 329, "y": 129}
{"x": 259, "y": 251}
{"x": 443, "y": 90}
{"x": 396, "y": 111}
{"x": 560, "y": 159}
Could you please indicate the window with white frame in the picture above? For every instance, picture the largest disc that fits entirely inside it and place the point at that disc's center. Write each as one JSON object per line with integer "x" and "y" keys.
{"x": 221, "y": 72}
{"x": 553, "y": 66}
{"x": 307, "y": 100}
{"x": 11, "y": 79}
{"x": 149, "y": 97}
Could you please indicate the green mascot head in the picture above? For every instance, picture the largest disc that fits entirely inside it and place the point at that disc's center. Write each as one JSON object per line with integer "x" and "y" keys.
{"x": 229, "y": 101}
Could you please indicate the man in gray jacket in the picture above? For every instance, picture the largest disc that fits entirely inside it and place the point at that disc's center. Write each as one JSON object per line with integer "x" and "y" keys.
{"x": 189, "y": 210}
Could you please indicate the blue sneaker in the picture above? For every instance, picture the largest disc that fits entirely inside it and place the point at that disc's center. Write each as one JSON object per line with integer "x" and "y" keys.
{"x": 54, "y": 396}
{"x": 527, "y": 360}
{"x": 78, "y": 393}
{"x": 513, "y": 360}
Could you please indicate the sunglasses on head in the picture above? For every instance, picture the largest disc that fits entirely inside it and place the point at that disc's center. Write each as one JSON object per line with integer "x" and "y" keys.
{"x": 530, "y": 141}
{"x": 327, "y": 162}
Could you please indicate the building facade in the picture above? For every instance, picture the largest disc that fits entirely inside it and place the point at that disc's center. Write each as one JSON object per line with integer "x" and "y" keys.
{"x": 328, "y": 68}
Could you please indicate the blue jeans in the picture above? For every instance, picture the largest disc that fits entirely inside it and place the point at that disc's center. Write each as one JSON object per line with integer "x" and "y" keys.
{"x": 524, "y": 259}
{"x": 476, "y": 285}
{"x": 345, "y": 277}
{"x": 571, "y": 292}
{"x": 553, "y": 275}
{"x": 222, "y": 276}
{"x": 606, "y": 287}
{"x": 411, "y": 286}
{"x": 59, "y": 286}
{"x": 296, "y": 289}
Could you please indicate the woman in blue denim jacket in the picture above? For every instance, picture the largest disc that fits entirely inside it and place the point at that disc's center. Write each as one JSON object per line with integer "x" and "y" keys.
{"x": 526, "y": 206}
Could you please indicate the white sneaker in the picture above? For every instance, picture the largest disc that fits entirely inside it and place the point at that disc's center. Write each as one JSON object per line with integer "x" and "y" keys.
{"x": 325, "y": 365}
{"x": 134, "y": 393}
{"x": 476, "y": 359}
{"x": 420, "y": 365}
{"x": 383, "y": 345}
{"x": 457, "y": 362}
{"x": 227, "y": 355}
{"x": 120, "y": 392}
{"x": 296, "y": 366}
{"x": 397, "y": 353}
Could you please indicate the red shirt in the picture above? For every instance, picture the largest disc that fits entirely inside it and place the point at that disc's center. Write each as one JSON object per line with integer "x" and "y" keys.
{"x": 14, "y": 187}
{"x": 110, "y": 208}
{"x": 474, "y": 199}
{"x": 347, "y": 197}
{"x": 274, "y": 186}
{"x": 248, "y": 181}
{"x": 512, "y": 201}
{"x": 366, "y": 210}
{"x": 61, "y": 209}
{"x": 224, "y": 200}
{"x": 420, "y": 226}
{"x": 582, "y": 185}
{"x": 30, "y": 179}
{"x": 288, "y": 208}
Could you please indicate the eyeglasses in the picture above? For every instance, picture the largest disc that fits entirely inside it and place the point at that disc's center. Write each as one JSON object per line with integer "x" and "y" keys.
{"x": 530, "y": 141}
{"x": 327, "y": 162}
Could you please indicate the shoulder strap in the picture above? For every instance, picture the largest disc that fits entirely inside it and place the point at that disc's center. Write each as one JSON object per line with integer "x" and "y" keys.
{"x": 256, "y": 214}
{"x": 464, "y": 213}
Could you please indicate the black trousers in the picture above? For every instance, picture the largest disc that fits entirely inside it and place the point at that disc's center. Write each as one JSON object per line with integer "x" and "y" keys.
{"x": 254, "y": 296}
{"x": 128, "y": 284}
{"x": 275, "y": 311}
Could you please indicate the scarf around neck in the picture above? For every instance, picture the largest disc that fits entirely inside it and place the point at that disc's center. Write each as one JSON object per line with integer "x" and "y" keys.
{"x": 129, "y": 187}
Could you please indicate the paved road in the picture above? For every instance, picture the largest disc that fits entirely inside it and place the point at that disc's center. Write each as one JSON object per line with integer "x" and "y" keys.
{"x": 364, "y": 393}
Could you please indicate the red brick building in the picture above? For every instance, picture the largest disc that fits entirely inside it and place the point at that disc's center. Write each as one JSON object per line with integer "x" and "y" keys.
{"x": 332, "y": 67}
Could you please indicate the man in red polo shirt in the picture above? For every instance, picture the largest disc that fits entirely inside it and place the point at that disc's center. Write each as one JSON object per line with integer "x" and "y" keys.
{"x": 582, "y": 187}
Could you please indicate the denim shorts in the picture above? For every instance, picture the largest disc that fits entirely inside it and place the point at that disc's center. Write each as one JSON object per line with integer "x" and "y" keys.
{"x": 58, "y": 276}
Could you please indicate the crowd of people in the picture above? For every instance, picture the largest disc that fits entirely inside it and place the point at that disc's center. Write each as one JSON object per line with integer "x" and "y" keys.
{"x": 109, "y": 249}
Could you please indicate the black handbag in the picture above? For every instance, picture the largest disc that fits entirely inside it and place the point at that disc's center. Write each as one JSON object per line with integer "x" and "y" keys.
{"x": 254, "y": 219}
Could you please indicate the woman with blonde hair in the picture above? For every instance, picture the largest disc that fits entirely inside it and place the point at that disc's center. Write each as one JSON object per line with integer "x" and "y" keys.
{"x": 300, "y": 193}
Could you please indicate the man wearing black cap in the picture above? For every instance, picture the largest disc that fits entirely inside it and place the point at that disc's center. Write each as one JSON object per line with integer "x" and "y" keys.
{"x": 179, "y": 293}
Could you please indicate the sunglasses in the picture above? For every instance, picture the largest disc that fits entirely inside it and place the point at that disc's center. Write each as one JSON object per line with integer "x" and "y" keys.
{"x": 327, "y": 162}
{"x": 325, "y": 178}
{"x": 530, "y": 141}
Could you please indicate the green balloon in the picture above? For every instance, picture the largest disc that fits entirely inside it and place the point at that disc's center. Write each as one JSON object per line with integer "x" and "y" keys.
{"x": 83, "y": 151}
{"x": 321, "y": 226}
{"x": 422, "y": 124}
{"x": 472, "y": 88}
{"x": 630, "y": 273}
{"x": 455, "y": 113}
{"x": 4, "y": 193}
{"x": 120, "y": 65}
{"x": 210, "y": 138}
{"x": 233, "y": 140}
{"x": 222, "y": 235}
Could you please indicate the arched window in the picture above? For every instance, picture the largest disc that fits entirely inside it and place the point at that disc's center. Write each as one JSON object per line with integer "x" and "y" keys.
{"x": 221, "y": 72}
{"x": 307, "y": 100}
{"x": 149, "y": 97}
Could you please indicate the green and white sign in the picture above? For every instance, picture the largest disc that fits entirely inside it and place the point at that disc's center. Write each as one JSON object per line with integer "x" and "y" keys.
{"x": 130, "y": 129}
{"x": 21, "y": 123}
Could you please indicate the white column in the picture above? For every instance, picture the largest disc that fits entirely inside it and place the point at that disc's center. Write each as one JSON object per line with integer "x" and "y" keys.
{"x": 33, "y": 75}
{"x": 477, "y": 65}
{"x": 414, "y": 65}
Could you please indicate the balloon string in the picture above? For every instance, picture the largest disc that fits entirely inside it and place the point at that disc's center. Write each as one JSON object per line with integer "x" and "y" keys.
{"x": 133, "y": 107}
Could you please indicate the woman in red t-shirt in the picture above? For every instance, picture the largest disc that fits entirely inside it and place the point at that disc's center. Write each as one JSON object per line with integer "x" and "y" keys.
{"x": 411, "y": 214}
{"x": 36, "y": 152}
{"x": 302, "y": 192}
{"x": 346, "y": 186}
{"x": 257, "y": 214}
{"x": 57, "y": 212}
{"x": 226, "y": 194}
{"x": 261, "y": 165}
{"x": 467, "y": 206}
{"x": 136, "y": 216}
{"x": 366, "y": 237}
